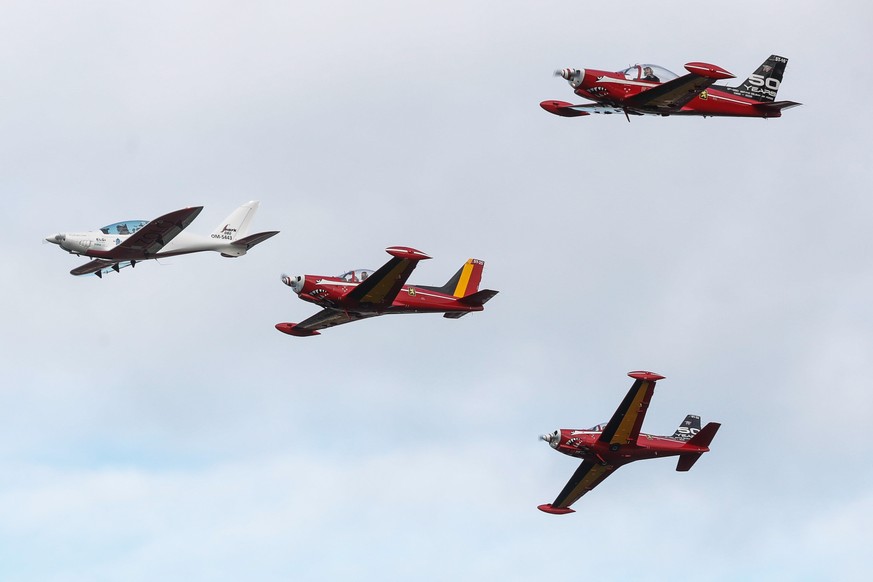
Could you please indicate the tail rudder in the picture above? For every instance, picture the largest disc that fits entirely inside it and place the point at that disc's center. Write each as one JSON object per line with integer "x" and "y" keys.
{"x": 763, "y": 84}
{"x": 705, "y": 436}
{"x": 700, "y": 440}
{"x": 236, "y": 225}
{"x": 468, "y": 278}
{"x": 463, "y": 283}
{"x": 689, "y": 427}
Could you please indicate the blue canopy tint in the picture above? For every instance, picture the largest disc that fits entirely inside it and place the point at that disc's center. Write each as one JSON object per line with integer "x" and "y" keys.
{"x": 126, "y": 227}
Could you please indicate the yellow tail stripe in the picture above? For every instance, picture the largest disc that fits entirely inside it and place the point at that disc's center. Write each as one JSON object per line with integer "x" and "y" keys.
{"x": 461, "y": 289}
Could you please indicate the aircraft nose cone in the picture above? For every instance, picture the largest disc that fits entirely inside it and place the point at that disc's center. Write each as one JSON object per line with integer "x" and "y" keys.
{"x": 55, "y": 239}
{"x": 294, "y": 281}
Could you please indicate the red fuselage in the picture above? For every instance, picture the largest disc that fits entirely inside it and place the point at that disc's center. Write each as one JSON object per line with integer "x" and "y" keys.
{"x": 584, "y": 444}
{"x": 613, "y": 89}
{"x": 332, "y": 292}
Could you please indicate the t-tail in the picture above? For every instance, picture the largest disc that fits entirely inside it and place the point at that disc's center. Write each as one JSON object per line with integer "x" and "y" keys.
{"x": 763, "y": 84}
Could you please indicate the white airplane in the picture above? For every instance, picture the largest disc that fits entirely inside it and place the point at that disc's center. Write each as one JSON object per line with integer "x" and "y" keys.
{"x": 124, "y": 244}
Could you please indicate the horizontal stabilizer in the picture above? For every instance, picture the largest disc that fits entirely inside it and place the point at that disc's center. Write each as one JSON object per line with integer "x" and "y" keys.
{"x": 687, "y": 460}
{"x": 478, "y": 298}
{"x": 251, "y": 240}
{"x": 705, "y": 436}
{"x": 774, "y": 108}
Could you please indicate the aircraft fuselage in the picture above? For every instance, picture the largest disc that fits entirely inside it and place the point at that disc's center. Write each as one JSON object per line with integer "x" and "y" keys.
{"x": 585, "y": 444}
{"x": 333, "y": 292}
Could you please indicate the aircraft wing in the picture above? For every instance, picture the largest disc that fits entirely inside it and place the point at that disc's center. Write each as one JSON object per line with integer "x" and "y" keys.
{"x": 94, "y": 267}
{"x": 624, "y": 426}
{"x": 381, "y": 288}
{"x": 672, "y": 95}
{"x": 151, "y": 238}
{"x": 325, "y": 318}
{"x": 565, "y": 109}
{"x": 588, "y": 476}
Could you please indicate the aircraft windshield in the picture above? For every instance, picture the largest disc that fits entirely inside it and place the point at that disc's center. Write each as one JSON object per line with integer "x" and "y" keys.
{"x": 649, "y": 73}
{"x": 598, "y": 427}
{"x": 356, "y": 276}
{"x": 126, "y": 227}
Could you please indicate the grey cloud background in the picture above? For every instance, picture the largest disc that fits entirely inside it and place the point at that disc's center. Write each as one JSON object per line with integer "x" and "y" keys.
{"x": 156, "y": 426}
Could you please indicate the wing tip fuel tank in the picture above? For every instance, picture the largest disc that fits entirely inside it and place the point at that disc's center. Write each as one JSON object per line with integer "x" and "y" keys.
{"x": 291, "y": 329}
{"x": 643, "y": 375}
{"x": 708, "y": 70}
{"x": 548, "y": 508}
{"x": 561, "y": 108}
{"x": 407, "y": 253}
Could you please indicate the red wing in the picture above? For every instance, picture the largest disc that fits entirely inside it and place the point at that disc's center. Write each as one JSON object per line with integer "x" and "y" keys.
{"x": 588, "y": 476}
{"x": 624, "y": 426}
{"x": 672, "y": 95}
{"x": 147, "y": 241}
{"x": 328, "y": 318}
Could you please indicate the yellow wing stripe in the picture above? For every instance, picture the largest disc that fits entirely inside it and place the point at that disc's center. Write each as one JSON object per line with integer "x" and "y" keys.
{"x": 378, "y": 293}
{"x": 588, "y": 482}
{"x": 622, "y": 433}
{"x": 466, "y": 272}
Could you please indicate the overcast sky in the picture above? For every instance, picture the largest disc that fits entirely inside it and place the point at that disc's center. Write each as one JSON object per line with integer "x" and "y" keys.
{"x": 157, "y": 427}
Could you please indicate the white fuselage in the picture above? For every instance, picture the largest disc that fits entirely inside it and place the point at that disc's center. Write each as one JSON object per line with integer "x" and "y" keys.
{"x": 96, "y": 243}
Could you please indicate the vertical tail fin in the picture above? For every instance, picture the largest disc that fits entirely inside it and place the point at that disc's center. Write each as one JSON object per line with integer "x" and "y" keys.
{"x": 763, "y": 84}
{"x": 689, "y": 427}
{"x": 701, "y": 441}
{"x": 236, "y": 225}
{"x": 468, "y": 278}
{"x": 465, "y": 282}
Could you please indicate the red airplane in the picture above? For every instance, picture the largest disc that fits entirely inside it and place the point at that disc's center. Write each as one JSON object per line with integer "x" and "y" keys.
{"x": 364, "y": 293}
{"x": 653, "y": 90}
{"x": 606, "y": 447}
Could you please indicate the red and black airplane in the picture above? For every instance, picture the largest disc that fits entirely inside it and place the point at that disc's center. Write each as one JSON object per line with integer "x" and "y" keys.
{"x": 653, "y": 90}
{"x": 606, "y": 447}
{"x": 364, "y": 293}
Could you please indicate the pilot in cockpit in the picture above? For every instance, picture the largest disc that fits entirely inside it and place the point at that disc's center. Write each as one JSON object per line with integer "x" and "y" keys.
{"x": 649, "y": 75}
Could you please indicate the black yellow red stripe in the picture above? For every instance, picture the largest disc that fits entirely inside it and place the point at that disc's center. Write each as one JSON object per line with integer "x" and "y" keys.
{"x": 587, "y": 477}
{"x": 466, "y": 273}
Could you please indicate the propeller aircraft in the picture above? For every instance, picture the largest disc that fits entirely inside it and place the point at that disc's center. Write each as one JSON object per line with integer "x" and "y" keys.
{"x": 606, "y": 447}
{"x": 653, "y": 90}
{"x": 364, "y": 293}
{"x": 124, "y": 244}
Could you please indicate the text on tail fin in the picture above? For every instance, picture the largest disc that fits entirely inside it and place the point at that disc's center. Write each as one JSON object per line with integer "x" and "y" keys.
{"x": 689, "y": 427}
{"x": 236, "y": 225}
{"x": 470, "y": 277}
{"x": 763, "y": 84}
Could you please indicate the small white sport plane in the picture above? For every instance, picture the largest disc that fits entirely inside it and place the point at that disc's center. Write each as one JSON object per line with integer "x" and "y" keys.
{"x": 124, "y": 244}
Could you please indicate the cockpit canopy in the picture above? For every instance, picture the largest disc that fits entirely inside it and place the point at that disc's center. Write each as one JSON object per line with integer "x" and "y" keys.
{"x": 126, "y": 227}
{"x": 357, "y": 275}
{"x": 643, "y": 72}
{"x": 598, "y": 427}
